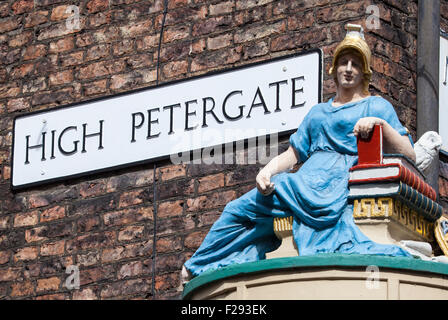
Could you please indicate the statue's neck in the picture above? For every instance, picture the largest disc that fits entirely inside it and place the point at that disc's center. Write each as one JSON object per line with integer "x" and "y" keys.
{"x": 344, "y": 96}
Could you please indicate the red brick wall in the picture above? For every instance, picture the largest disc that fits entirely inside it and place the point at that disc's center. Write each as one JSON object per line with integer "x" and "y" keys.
{"x": 104, "y": 224}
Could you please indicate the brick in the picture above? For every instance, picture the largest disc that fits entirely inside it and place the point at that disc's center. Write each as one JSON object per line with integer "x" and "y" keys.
{"x": 4, "y": 222}
{"x": 25, "y": 254}
{"x": 126, "y": 288}
{"x": 17, "y": 104}
{"x": 443, "y": 187}
{"x": 90, "y": 241}
{"x": 301, "y": 20}
{"x": 52, "y": 248}
{"x": 175, "y": 68}
{"x": 216, "y": 58}
{"x": 72, "y": 59}
{"x": 128, "y": 216}
{"x": 260, "y": 48}
{"x": 220, "y": 41}
{"x": 9, "y": 274}
{"x": 62, "y": 45}
{"x": 123, "y": 47}
{"x": 124, "y": 81}
{"x": 37, "y": 201}
{"x": 62, "y": 96}
{"x": 56, "y": 296}
{"x": 9, "y": 24}
{"x": 135, "y": 29}
{"x": 88, "y": 259}
{"x": 169, "y": 244}
{"x": 147, "y": 42}
{"x": 97, "y": 5}
{"x": 175, "y": 188}
{"x": 259, "y": 32}
{"x": 95, "y": 87}
{"x": 36, "y": 18}
{"x": 100, "y": 19}
{"x": 194, "y": 239}
{"x": 4, "y": 257}
{"x": 4, "y": 9}
{"x": 221, "y": 8}
{"x": 134, "y": 268}
{"x": 248, "y": 4}
{"x": 170, "y": 209}
{"x": 210, "y": 182}
{"x": 61, "y": 12}
{"x": 174, "y": 16}
{"x": 21, "y": 72}
{"x": 148, "y": 76}
{"x": 54, "y": 213}
{"x": 88, "y": 224}
{"x": 91, "y": 189}
{"x": 49, "y": 284}
{"x": 170, "y": 263}
{"x": 172, "y": 172}
{"x": 94, "y": 275}
{"x": 35, "y": 234}
{"x": 135, "y": 197}
{"x": 85, "y": 294}
{"x": 34, "y": 85}
{"x": 128, "y": 251}
{"x": 213, "y": 200}
{"x": 208, "y": 218}
{"x": 21, "y": 39}
{"x": 19, "y": 289}
{"x": 131, "y": 233}
{"x": 26, "y": 219}
{"x": 167, "y": 281}
{"x": 62, "y": 77}
{"x": 340, "y": 12}
{"x": 107, "y": 34}
{"x": 176, "y": 33}
{"x": 307, "y": 39}
{"x": 97, "y": 52}
{"x": 101, "y": 68}
{"x": 212, "y": 25}
{"x": 10, "y": 90}
{"x": 246, "y": 173}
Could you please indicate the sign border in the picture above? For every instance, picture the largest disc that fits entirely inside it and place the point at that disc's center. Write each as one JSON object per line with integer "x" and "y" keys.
{"x": 160, "y": 85}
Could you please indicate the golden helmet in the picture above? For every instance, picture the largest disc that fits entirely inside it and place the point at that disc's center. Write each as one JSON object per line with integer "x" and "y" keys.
{"x": 354, "y": 39}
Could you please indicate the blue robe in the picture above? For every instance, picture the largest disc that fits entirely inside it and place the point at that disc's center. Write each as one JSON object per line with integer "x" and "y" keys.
{"x": 315, "y": 195}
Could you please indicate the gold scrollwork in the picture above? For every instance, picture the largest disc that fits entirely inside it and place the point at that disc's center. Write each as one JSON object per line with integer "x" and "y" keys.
{"x": 395, "y": 209}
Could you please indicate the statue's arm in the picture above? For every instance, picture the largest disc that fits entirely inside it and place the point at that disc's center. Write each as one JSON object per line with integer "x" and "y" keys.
{"x": 280, "y": 163}
{"x": 393, "y": 142}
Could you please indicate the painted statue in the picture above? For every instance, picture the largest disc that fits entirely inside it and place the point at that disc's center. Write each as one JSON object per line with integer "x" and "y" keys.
{"x": 315, "y": 195}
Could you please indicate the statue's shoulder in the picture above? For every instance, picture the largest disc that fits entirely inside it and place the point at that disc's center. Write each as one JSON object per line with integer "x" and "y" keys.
{"x": 378, "y": 102}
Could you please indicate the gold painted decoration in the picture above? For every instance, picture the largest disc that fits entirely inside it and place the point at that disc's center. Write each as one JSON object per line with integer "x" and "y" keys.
{"x": 441, "y": 234}
{"x": 387, "y": 207}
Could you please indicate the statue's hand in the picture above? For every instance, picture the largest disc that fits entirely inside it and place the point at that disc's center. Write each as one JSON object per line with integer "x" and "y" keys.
{"x": 264, "y": 184}
{"x": 365, "y": 125}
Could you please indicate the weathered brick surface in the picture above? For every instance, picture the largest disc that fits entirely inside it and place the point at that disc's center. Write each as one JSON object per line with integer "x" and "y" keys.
{"x": 131, "y": 230}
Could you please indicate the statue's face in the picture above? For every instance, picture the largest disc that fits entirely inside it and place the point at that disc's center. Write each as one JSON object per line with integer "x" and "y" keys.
{"x": 349, "y": 71}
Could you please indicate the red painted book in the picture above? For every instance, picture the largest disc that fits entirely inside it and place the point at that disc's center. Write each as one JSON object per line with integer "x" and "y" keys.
{"x": 370, "y": 150}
